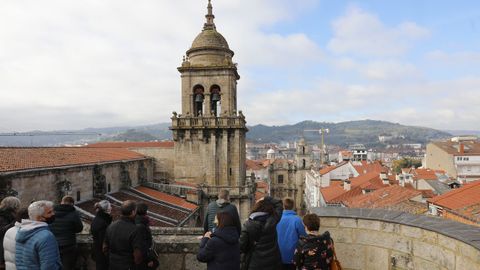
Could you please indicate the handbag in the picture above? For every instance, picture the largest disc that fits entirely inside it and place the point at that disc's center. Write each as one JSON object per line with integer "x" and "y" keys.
{"x": 335, "y": 265}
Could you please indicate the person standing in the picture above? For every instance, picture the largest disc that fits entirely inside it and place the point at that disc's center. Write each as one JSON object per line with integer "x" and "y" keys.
{"x": 220, "y": 249}
{"x": 258, "y": 240}
{"x": 8, "y": 209}
{"x": 289, "y": 230}
{"x": 98, "y": 229}
{"x": 9, "y": 240}
{"x": 314, "y": 251}
{"x": 143, "y": 223}
{"x": 124, "y": 242}
{"x": 65, "y": 227}
{"x": 221, "y": 205}
{"x": 36, "y": 246}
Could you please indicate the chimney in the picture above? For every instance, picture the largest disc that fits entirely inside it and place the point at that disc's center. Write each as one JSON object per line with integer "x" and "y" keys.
{"x": 461, "y": 148}
{"x": 346, "y": 185}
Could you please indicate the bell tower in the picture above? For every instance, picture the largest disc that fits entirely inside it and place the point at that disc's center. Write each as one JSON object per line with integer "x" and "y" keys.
{"x": 209, "y": 133}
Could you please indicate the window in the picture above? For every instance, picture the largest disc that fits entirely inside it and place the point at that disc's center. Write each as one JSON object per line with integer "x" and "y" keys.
{"x": 215, "y": 100}
{"x": 198, "y": 100}
{"x": 109, "y": 188}
{"x": 280, "y": 179}
{"x": 78, "y": 195}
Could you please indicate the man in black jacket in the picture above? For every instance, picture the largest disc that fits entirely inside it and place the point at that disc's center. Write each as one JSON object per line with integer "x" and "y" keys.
{"x": 67, "y": 223}
{"x": 124, "y": 241}
{"x": 221, "y": 205}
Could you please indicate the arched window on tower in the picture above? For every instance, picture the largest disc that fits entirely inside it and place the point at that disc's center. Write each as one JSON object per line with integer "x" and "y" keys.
{"x": 304, "y": 163}
{"x": 215, "y": 99}
{"x": 303, "y": 150}
{"x": 198, "y": 100}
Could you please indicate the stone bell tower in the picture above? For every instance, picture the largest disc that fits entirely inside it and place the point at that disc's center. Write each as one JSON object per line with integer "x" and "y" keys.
{"x": 209, "y": 133}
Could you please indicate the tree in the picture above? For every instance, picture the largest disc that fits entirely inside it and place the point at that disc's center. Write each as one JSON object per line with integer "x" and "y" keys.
{"x": 398, "y": 165}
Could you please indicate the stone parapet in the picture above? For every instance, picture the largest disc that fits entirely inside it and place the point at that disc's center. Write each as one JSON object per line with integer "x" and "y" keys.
{"x": 381, "y": 239}
{"x": 364, "y": 239}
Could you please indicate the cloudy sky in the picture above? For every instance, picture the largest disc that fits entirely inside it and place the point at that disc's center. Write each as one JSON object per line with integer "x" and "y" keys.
{"x": 69, "y": 64}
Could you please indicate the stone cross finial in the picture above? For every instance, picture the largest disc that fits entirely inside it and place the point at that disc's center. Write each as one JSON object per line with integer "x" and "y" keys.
{"x": 209, "y": 24}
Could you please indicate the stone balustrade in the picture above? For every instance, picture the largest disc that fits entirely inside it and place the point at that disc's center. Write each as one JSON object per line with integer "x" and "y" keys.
{"x": 380, "y": 239}
{"x": 202, "y": 122}
{"x": 364, "y": 239}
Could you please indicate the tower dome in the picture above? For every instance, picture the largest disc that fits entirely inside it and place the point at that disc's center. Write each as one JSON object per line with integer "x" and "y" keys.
{"x": 209, "y": 38}
{"x": 210, "y": 48}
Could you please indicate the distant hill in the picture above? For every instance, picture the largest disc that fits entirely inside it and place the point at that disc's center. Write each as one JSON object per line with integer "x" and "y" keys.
{"x": 343, "y": 134}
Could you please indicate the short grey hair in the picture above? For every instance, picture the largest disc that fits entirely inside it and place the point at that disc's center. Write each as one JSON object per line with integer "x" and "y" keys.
{"x": 224, "y": 194}
{"x": 10, "y": 203}
{"x": 37, "y": 209}
{"x": 104, "y": 205}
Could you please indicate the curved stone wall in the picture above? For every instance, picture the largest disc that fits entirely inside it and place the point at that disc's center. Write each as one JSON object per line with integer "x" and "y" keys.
{"x": 381, "y": 239}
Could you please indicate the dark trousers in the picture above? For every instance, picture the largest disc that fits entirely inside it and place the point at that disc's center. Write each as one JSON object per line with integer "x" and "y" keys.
{"x": 68, "y": 254}
{"x": 288, "y": 266}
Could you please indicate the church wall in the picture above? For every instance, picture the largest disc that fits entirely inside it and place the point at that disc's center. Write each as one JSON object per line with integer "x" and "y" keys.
{"x": 164, "y": 161}
{"x": 42, "y": 184}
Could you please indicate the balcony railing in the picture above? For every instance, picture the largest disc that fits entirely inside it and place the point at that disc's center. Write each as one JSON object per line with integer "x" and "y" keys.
{"x": 208, "y": 122}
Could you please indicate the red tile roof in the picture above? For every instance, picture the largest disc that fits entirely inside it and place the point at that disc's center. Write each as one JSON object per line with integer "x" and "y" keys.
{"x": 18, "y": 159}
{"x": 459, "y": 198}
{"x": 425, "y": 174}
{"x": 383, "y": 197}
{"x": 368, "y": 167}
{"x": 164, "y": 197}
{"x": 337, "y": 193}
{"x": 331, "y": 192}
{"x": 254, "y": 164}
{"x": 331, "y": 168}
{"x": 164, "y": 144}
{"x": 347, "y": 195}
{"x": 366, "y": 179}
{"x": 471, "y": 148}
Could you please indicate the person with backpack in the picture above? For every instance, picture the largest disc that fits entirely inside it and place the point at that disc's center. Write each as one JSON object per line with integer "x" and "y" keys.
{"x": 8, "y": 209}
{"x": 220, "y": 249}
{"x": 314, "y": 251}
{"x": 258, "y": 240}
{"x": 221, "y": 205}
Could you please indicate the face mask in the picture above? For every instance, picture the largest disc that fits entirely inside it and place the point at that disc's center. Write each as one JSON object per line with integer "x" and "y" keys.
{"x": 50, "y": 220}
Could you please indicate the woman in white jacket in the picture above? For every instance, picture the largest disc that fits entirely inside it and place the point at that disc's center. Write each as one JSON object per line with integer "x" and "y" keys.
{"x": 9, "y": 242}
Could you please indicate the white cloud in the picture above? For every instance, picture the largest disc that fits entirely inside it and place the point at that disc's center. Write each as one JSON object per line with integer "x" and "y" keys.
{"x": 71, "y": 64}
{"x": 361, "y": 33}
{"x": 467, "y": 58}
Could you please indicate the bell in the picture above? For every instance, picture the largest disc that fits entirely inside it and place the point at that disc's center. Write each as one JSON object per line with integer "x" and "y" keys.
{"x": 199, "y": 98}
{"x": 215, "y": 97}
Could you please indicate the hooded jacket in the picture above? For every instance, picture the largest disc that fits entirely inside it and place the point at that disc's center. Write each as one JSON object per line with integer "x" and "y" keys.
{"x": 220, "y": 205}
{"x": 67, "y": 223}
{"x": 9, "y": 244}
{"x": 258, "y": 240}
{"x": 36, "y": 247}
{"x": 289, "y": 230}
{"x": 222, "y": 250}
